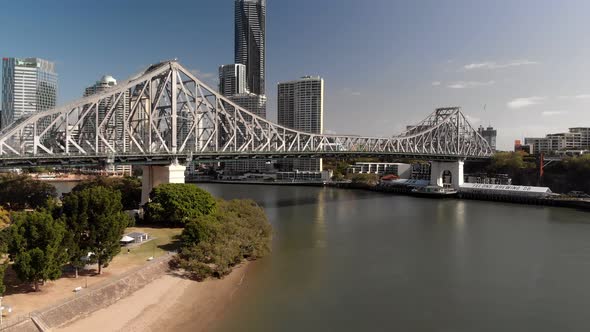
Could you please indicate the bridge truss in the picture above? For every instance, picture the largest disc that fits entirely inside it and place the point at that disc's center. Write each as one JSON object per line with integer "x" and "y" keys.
{"x": 171, "y": 115}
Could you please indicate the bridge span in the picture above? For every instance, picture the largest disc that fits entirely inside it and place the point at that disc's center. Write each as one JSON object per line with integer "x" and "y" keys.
{"x": 173, "y": 118}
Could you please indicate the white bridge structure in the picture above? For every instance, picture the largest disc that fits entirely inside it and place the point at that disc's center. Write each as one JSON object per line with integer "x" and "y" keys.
{"x": 173, "y": 118}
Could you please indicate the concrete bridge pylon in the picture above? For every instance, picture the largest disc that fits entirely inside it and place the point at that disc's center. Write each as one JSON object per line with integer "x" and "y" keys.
{"x": 154, "y": 176}
{"x": 445, "y": 173}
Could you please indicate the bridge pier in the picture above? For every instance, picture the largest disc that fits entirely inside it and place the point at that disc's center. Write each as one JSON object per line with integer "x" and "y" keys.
{"x": 441, "y": 170}
{"x": 154, "y": 176}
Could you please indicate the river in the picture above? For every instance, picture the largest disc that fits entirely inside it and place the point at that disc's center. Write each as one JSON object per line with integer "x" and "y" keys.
{"x": 361, "y": 261}
{"x": 347, "y": 260}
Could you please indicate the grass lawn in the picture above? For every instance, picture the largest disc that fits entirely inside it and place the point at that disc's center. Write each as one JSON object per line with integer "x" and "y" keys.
{"x": 162, "y": 241}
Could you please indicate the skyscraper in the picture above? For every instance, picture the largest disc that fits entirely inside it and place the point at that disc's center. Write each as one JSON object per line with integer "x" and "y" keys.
{"x": 301, "y": 107}
{"x": 232, "y": 79}
{"x": 29, "y": 85}
{"x": 250, "y": 37}
{"x": 252, "y": 102}
{"x": 489, "y": 134}
{"x": 249, "y": 52}
{"x": 113, "y": 123}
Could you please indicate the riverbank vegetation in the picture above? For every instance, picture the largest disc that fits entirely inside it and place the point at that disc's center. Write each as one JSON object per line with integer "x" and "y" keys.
{"x": 569, "y": 174}
{"x": 177, "y": 204}
{"x": 85, "y": 229}
{"x": 39, "y": 241}
{"x": 20, "y": 192}
{"x": 212, "y": 244}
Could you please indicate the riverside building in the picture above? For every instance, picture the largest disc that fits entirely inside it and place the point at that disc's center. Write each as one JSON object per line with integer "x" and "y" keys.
{"x": 29, "y": 85}
{"x": 244, "y": 82}
{"x": 232, "y": 79}
{"x": 489, "y": 134}
{"x": 250, "y": 38}
{"x": 301, "y": 107}
{"x": 113, "y": 123}
{"x": 576, "y": 138}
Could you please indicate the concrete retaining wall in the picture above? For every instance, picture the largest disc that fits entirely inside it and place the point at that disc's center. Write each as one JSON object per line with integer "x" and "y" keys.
{"x": 23, "y": 326}
{"x": 86, "y": 303}
{"x": 93, "y": 299}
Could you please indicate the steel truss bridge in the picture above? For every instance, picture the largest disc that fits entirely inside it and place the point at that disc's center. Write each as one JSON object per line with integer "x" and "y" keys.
{"x": 171, "y": 115}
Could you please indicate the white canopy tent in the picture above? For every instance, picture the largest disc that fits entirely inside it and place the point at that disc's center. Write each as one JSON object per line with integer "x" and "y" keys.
{"x": 127, "y": 239}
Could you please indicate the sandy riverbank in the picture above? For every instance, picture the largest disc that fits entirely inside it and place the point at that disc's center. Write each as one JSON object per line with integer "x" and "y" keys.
{"x": 166, "y": 304}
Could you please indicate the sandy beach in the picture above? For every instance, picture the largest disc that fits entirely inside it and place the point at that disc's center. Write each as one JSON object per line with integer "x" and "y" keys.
{"x": 166, "y": 304}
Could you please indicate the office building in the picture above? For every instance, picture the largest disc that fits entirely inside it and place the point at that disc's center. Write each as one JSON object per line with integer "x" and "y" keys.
{"x": 232, "y": 80}
{"x": 584, "y": 136}
{"x": 29, "y": 85}
{"x": 112, "y": 119}
{"x": 252, "y": 102}
{"x": 518, "y": 146}
{"x": 403, "y": 171}
{"x": 554, "y": 142}
{"x": 250, "y": 38}
{"x": 489, "y": 134}
{"x": 244, "y": 82}
{"x": 301, "y": 107}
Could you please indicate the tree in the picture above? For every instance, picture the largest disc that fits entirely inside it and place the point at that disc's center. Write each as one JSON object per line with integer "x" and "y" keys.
{"x": 129, "y": 187}
{"x": 3, "y": 268}
{"x": 202, "y": 229}
{"x": 97, "y": 223}
{"x": 4, "y": 218}
{"x": 177, "y": 204}
{"x": 213, "y": 244}
{"x": 36, "y": 247}
{"x": 19, "y": 192}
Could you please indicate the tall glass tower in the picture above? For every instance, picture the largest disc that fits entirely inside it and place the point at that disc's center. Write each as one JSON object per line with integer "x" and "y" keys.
{"x": 28, "y": 86}
{"x": 250, "y": 35}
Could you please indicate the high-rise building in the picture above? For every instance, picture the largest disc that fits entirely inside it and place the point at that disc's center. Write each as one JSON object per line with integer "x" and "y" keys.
{"x": 249, "y": 54}
{"x": 29, "y": 85}
{"x": 489, "y": 134}
{"x": 111, "y": 118}
{"x": 255, "y": 104}
{"x": 301, "y": 107}
{"x": 232, "y": 80}
{"x": 252, "y": 102}
{"x": 250, "y": 38}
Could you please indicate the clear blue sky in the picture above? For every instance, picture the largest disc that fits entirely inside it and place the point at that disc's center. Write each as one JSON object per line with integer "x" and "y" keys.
{"x": 386, "y": 63}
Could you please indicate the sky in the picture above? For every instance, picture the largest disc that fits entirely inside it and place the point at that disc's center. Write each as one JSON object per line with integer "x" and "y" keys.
{"x": 522, "y": 66}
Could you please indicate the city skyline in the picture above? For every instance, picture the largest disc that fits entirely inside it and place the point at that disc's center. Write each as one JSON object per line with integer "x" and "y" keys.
{"x": 395, "y": 64}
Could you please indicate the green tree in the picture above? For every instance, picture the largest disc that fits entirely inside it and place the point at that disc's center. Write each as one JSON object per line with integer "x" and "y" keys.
{"x": 196, "y": 231}
{"x": 213, "y": 244}
{"x": 36, "y": 247}
{"x": 177, "y": 204}
{"x": 3, "y": 268}
{"x": 130, "y": 188}
{"x": 19, "y": 192}
{"x": 97, "y": 223}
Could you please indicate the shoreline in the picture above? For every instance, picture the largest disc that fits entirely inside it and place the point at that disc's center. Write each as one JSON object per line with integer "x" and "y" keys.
{"x": 405, "y": 191}
{"x": 170, "y": 302}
